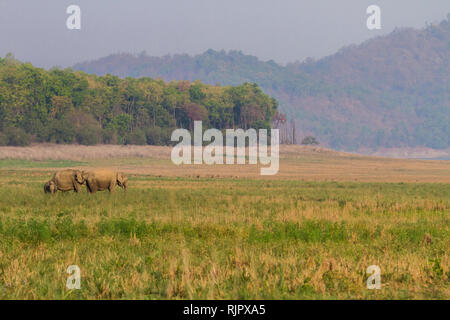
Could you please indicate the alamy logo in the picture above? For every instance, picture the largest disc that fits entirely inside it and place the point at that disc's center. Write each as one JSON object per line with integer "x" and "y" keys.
{"x": 374, "y": 20}
{"x": 374, "y": 281}
{"x": 73, "y": 22}
{"x": 235, "y": 147}
{"x": 74, "y": 281}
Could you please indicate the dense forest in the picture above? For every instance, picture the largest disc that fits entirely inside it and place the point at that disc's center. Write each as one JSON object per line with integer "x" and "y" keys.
{"x": 64, "y": 106}
{"x": 390, "y": 91}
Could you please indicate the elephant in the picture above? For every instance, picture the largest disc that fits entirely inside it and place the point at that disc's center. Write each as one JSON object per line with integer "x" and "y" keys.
{"x": 104, "y": 179}
{"x": 50, "y": 187}
{"x": 65, "y": 180}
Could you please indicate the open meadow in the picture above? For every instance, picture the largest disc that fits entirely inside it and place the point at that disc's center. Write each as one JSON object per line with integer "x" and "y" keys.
{"x": 225, "y": 232}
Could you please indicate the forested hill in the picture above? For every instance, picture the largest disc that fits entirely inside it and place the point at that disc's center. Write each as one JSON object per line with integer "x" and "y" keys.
{"x": 64, "y": 106}
{"x": 390, "y": 91}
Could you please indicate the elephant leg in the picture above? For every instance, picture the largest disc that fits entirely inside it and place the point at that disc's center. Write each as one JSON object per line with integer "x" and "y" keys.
{"x": 93, "y": 188}
{"x": 112, "y": 187}
{"x": 90, "y": 186}
{"x": 77, "y": 187}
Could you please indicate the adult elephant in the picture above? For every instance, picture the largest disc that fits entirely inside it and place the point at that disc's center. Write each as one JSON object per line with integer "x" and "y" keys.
{"x": 104, "y": 179}
{"x": 65, "y": 180}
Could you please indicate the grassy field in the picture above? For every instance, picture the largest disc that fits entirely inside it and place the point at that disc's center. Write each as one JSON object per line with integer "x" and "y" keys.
{"x": 225, "y": 232}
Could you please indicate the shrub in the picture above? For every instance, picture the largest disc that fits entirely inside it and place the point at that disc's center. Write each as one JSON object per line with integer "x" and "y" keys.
{"x": 62, "y": 131}
{"x": 154, "y": 136}
{"x": 110, "y": 135}
{"x": 157, "y": 136}
{"x": 3, "y": 139}
{"x": 136, "y": 137}
{"x": 310, "y": 140}
{"x": 17, "y": 137}
{"x": 89, "y": 135}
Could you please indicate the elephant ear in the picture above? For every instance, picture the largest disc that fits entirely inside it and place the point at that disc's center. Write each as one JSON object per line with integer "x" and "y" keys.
{"x": 79, "y": 176}
{"x": 85, "y": 175}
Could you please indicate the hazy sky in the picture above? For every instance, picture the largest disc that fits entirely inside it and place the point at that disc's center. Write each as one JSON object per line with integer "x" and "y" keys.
{"x": 282, "y": 30}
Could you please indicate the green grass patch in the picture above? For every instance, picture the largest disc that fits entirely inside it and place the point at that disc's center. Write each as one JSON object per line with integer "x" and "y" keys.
{"x": 18, "y": 163}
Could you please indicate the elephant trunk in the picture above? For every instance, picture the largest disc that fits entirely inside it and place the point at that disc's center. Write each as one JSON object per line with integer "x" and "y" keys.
{"x": 122, "y": 181}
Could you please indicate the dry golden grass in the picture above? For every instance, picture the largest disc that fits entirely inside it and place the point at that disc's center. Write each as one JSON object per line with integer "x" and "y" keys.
{"x": 296, "y": 163}
{"x": 178, "y": 233}
{"x": 80, "y": 153}
{"x": 181, "y": 238}
{"x": 226, "y": 232}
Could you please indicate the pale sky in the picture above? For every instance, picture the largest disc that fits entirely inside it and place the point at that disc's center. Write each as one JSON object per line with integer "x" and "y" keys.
{"x": 282, "y": 30}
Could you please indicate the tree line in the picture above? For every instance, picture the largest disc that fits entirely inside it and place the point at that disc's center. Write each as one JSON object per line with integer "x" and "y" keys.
{"x": 389, "y": 91}
{"x": 66, "y": 106}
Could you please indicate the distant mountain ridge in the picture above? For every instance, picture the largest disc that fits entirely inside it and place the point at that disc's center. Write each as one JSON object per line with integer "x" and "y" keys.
{"x": 390, "y": 91}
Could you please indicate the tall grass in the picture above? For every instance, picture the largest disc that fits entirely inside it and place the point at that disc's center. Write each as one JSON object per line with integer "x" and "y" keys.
{"x": 79, "y": 152}
{"x": 179, "y": 238}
